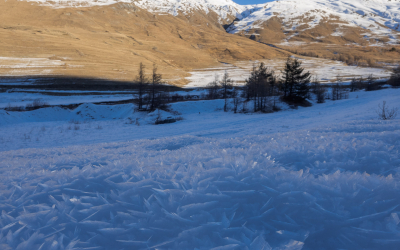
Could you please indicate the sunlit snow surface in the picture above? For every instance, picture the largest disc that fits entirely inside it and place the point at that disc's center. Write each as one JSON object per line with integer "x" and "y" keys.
{"x": 331, "y": 184}
{"x": 325, "y": 70}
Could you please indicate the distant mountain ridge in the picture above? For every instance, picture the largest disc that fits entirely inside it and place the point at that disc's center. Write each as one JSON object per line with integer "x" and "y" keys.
{"x": 370, "y": 19}
{"x": 225, "y": 9}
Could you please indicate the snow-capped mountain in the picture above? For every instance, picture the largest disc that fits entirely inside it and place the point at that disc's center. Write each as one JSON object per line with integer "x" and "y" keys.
{"x": 225, "y": 9}
{"x": 368, "y": 18}
{"x": 377, "y": 18}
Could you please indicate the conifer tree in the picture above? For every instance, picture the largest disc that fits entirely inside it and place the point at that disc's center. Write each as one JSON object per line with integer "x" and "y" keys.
{"x": 295, "y": 82}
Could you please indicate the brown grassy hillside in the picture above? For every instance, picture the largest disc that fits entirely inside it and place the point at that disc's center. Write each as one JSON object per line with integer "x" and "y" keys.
{"x": 110, "y": 41}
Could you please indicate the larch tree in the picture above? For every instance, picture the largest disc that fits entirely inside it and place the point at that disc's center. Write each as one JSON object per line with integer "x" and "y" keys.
{"x": 259, "y": 86}
{"x": 226, "y": 84}
{"x": 213, "y": 87}
{"x": 155, "y": 84}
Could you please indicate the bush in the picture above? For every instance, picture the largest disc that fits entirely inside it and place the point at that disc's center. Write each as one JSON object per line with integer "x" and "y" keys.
{"x": 384, "y": 113}
{"x": 14, "y": 108}
{"x": 356, "y": 84}
{"x": 74, "y": 121}
{"x": 37, "y": 103}
{"x": 371, "y": 84}
{"x": 167, "y": 120}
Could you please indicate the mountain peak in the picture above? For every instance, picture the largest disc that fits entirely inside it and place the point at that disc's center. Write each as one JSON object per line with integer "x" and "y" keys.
{"x": 377, "y": 18}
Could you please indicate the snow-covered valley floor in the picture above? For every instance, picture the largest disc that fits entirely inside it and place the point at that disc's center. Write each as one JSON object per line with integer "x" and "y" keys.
{"x": 325, "y": 70}
{"x": 323, "y": 177}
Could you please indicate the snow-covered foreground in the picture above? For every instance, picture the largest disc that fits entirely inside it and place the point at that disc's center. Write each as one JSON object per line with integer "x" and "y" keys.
{"x": 324, "y": 177}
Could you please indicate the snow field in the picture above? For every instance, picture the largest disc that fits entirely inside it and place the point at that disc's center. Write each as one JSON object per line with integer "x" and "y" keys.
{"x": 16, "y": 99}
{"x": 91, "y": 124}
{"x": 14, "y": 66}
{"x": 189, "y": 192}
{"x": 326, "y": 70}
{"x": 16, "y": 63}
{"x": 324, "y": 177}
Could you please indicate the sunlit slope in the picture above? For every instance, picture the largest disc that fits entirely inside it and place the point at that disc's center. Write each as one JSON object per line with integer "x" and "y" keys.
{"x": 110, "y": 41}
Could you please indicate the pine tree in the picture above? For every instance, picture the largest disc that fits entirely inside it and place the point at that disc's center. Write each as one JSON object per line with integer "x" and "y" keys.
{"x": 295, "y": 83}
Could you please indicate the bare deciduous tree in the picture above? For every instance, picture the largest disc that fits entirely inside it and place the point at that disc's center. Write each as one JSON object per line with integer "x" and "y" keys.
{"x": 319, "y": 91}
{"x": 212, "y": 88}
{"x": 155, "y": 82}
{"x": 226, "y": 84}
{"x": 356, "y": 84}
{"x": 236, "y": 99}
{"x": 141, "y": 79}
{"x": 259, "y": 86}
{"x": 370, "y": 83}
{"x": 339, "y": 92}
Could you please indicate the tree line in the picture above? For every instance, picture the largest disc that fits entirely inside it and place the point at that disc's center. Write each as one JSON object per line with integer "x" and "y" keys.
{"x": 295, "y": 85}
{"x": 263, "y": 87}
{"x": 149, "y": 95}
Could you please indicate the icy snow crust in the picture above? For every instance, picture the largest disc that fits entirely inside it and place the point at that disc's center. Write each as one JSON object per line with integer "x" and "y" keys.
{"x": 334, "y": 185}
{"x": 371, "y": 15}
